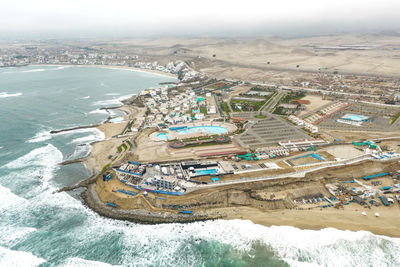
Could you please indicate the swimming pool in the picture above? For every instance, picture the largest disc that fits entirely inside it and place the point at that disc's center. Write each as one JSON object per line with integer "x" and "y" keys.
{"x": 162, "y": 136}
{"x": 355, "y": 117}
{"x": 203, "y": 129}
{"x": 206, "y": 172}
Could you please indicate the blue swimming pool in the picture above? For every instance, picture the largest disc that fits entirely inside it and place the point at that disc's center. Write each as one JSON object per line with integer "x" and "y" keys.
{"x": 355, "y": 117}
{"x": 203, "y": 129}
{"x": 162, "y": 136}
{"x": 206, "y": 172}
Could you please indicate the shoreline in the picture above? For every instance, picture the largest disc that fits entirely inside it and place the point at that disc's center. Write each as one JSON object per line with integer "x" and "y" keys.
{"x": 127, "y": 68}
{"x": 91, "y": 161}
{"x": 349, "y": 219}
{"x": 343, "y": 220}
{"x": 268, "y": 214}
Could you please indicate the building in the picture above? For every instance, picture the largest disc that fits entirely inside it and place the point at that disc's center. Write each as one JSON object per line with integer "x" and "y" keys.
{"x": 295, "y": 144}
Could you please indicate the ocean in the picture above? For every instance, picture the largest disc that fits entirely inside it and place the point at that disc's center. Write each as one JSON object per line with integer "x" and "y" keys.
{"x": 39, "y": 228}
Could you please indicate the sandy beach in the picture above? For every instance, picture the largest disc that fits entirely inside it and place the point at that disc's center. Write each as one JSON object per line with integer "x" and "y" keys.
{"x": 349, "y": 218}
{"x": 240, "y": 202}
{"x": 101, "y": 151}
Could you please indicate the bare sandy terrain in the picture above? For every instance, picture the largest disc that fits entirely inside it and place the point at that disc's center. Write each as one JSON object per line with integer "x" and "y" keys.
{"x": 248, "y": 59}
{"x": 315, "y": 103}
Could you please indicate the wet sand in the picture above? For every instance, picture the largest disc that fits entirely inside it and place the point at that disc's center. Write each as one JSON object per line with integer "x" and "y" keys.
{"x": 350, "y": 218}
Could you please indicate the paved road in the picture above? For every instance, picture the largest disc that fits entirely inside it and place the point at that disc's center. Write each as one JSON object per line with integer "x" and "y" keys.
{"x": 270, "y": 106}
{"x": 297, "y": 174}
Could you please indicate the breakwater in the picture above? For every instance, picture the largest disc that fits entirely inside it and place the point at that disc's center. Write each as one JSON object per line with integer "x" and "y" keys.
{"x": 74, "y": 128}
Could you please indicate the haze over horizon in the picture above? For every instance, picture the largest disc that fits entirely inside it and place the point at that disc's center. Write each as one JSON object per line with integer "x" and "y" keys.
{"x": 123, "y": 18}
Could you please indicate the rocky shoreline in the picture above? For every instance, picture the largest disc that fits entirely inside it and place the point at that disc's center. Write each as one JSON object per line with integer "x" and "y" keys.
{"x": 236, "y": 198}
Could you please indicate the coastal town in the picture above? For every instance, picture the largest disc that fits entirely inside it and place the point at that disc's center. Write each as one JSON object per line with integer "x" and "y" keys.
{"x": 204, "y": 148}
{"x": 200, "y": 148}
{"x": 200, "y": 133}
{"x": 198, "y": 139}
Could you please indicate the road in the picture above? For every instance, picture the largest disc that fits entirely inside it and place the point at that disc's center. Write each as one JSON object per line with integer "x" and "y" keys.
{"x": 270, "y": 106}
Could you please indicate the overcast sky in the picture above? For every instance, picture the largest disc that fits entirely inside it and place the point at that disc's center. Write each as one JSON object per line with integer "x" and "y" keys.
{"x": 137, "y": 18}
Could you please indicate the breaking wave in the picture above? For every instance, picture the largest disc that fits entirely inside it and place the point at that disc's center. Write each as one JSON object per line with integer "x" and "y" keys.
{"x": 15, "y": 258}
{"x": 98, "y": 111}
{"x": 114, "y": 101}
{"x": 8, "y": 199}
{"x": 32, "y": 173}
{"x": 72, "y": 262}
{"x": 114, "y": 94}
{"x": 40, "y": 137}
{"x": 95, "y": 135}
{"x": 36, "y": 70}
{"x": 5, "y": 94}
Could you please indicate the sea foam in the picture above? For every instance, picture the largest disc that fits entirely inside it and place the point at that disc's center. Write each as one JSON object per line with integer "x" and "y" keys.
{"x": 47, "y": 69}
{"x": 327, "y": 247}
{"x": 72, "y": 262}
{"x": 5, "y": 94}
{"x": 96, "y": 135}
{"x": 112, "y": 94}
{"x": 33, "y": 70}
{"x": 8, "y": 199}
{"x": 11, "y": 235}
{"x": 114, "y": 101}
{"x": 11, "y": 258}
{"x": 41, "y": 136}
{"x": 98, "y": 111}
{"x": 178, "y": 244}
{"x": 38, "y": 165}
{"x": 47, "y": 155}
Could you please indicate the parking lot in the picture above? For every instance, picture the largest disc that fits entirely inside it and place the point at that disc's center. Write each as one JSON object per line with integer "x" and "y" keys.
{"x": 268, "y": 132}
{"x": 380, "y": 119}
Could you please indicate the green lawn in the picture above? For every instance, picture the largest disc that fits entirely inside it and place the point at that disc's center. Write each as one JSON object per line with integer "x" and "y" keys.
{"x": 203, "y": 110}
{"x": 105, "y": 168}
{"x": 246, "y": 105}
{"x": 395, "y": 117}
{"x": 124, "y": 146}
{"x": 225, "y": 107}
{"x": 129, "y": 144}
{"x": 259, "y": 116}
